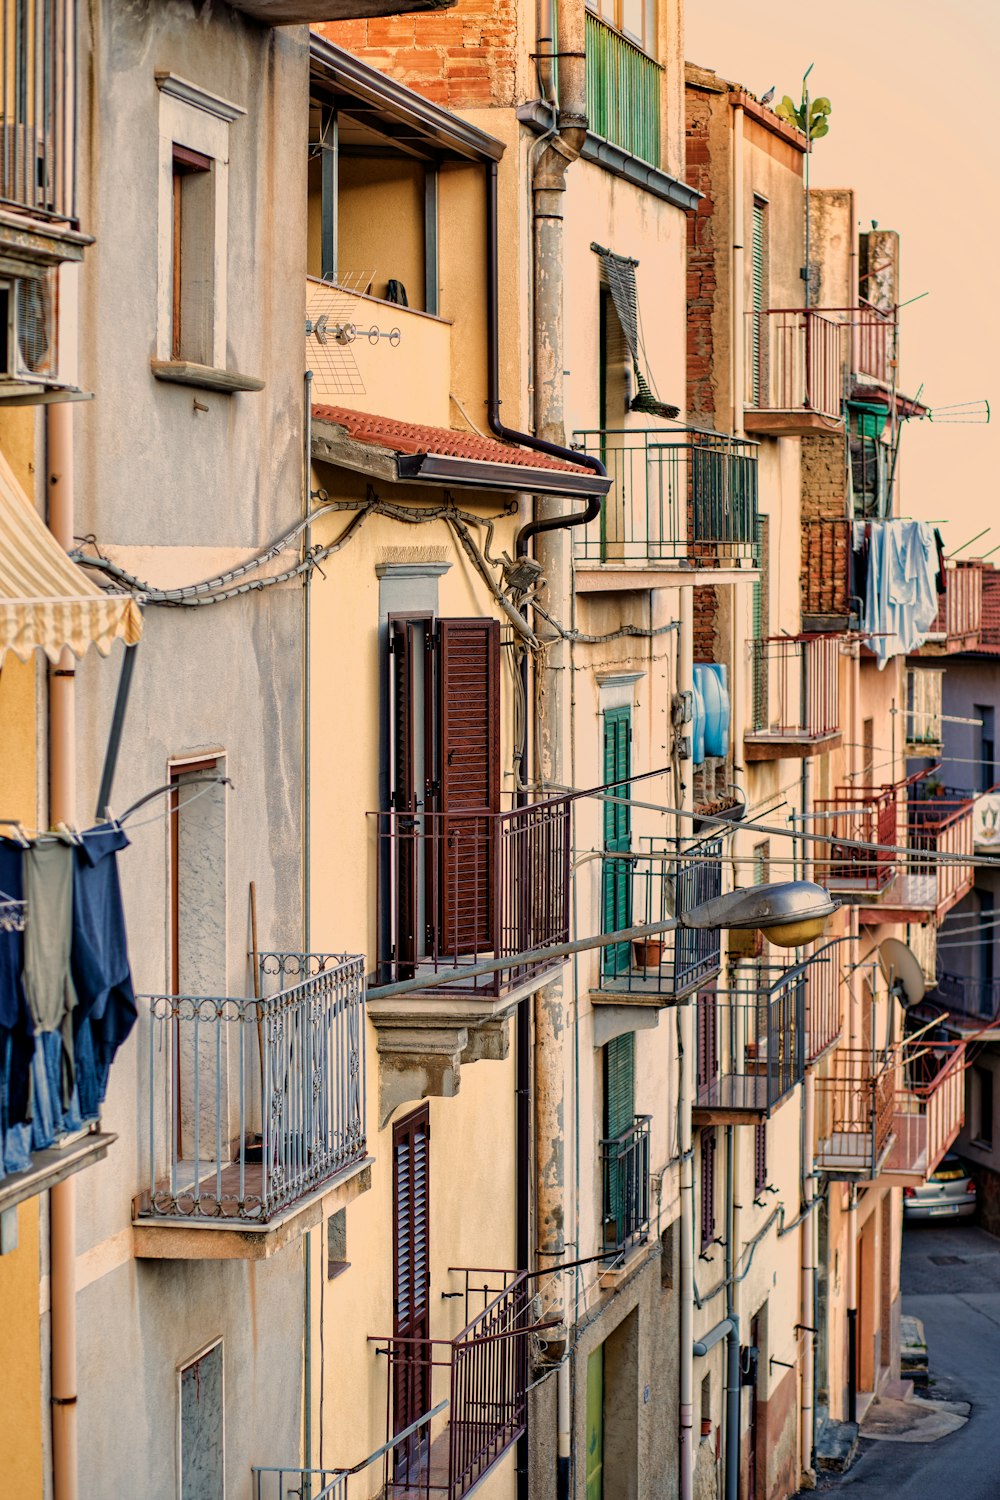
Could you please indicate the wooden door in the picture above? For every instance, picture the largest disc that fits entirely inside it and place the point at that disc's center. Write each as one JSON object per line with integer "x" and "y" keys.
{"x": 411, "y": 1374}
{"x": 617, "y": 873}
{"x": 595, "y": 1425}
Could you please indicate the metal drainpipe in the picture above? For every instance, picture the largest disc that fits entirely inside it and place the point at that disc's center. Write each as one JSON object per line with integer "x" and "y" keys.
{"x": 732, "y": 1470}
{"x": 62, "y": 809}
{"x": 852, "y": 1305}
{"x": 307, "y": 874}
{"x": 807, "y": 1291}
{"x": 738, "y": 296}
{"x": 685, "y": 1031}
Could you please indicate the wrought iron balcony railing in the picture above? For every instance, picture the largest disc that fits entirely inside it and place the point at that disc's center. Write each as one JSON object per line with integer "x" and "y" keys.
{"x": 256, "y": 1103}
{"x": 295, "y": 1483}
{"x": 929, "y": 1107}
{"x": 649, "y": 887}
{"x": 623, "y": 91}
{"x": 961, "y": 994}
{"x": 457, "y": 888}
{"x": 862, "y": 816}
{"x": 676, "y": 495}
{"x": 482, "y": 1373}
{"x": 823, "y": 1009}
{"x": 625, "y": 1167}
{"x": 38, "y": 89}
{"x": 854, "y": 1113}
{"x": 939, "y": 833}
{"x": 796, "y": 693}
{"x": 750, "y": 1045}
{"x": 959, "y": 620}
{"x": 798, "y": 359}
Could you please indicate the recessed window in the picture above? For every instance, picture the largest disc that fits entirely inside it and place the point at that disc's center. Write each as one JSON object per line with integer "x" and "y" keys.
{"x": 202, "y": 1428}
{"x": 634, "y": 18}
{"x": 192, "y": 293}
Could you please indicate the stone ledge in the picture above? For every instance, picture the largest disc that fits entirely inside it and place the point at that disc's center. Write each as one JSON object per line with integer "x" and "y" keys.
{"x": 207, "y": 377}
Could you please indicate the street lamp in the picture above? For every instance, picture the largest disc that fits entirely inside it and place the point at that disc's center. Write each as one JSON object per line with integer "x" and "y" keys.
{"x": 788, "y": 913}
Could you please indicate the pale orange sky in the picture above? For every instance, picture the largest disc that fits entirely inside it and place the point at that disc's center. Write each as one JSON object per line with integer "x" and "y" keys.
{"x": 915, "y": 131}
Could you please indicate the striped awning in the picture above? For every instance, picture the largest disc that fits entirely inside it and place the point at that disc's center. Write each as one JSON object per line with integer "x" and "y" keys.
{"x": 46, "y": 601}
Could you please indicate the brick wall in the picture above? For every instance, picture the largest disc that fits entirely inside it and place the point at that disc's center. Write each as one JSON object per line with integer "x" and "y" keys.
{"x": 702, "y": 281}
{"x": 824, "y": 477}
{"x": 463, "y": 58}
{"x": 706, "y": 611}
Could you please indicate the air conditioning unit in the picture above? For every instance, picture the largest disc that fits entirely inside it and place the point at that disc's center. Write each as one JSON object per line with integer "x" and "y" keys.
{"x": 28, "y": 326}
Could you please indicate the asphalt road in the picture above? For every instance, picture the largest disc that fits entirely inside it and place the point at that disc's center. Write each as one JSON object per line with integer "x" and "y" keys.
{"x": 959, "y": 1304}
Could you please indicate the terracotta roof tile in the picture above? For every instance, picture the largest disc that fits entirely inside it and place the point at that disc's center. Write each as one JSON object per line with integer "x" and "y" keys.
{"x": 415, "y": 437}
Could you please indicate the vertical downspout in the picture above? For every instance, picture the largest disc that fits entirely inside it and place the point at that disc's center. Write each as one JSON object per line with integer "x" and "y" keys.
{"x": 307, "y": 864}
{"x": 738, "y": 221}
{"x": 62, "y": 809}
{"x": 732, "y": 1471}
{"x": 685, "y": 1080}
{"x": 852, "y": 1305}
{"x": 807, "y": 1292}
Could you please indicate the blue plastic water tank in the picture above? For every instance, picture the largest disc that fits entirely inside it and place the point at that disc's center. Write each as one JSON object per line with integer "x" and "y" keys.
{"x": 697, "y": 717}
{"x": 715, "y": 691}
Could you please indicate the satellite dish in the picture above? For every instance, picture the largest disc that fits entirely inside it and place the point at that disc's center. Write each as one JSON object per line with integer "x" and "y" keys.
{"x": 901, "y": 967}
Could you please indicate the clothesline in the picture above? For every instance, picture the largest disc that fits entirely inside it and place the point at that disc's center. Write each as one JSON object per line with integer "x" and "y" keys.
{"x": 112, "y": 824}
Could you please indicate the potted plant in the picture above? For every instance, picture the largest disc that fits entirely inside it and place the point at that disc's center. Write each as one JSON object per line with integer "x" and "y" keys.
{"x": 647, "y": 953}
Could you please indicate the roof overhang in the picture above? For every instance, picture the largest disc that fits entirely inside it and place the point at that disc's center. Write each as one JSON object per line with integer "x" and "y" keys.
{"x": 393, "y": 111}
{"x": 332, "y": 444}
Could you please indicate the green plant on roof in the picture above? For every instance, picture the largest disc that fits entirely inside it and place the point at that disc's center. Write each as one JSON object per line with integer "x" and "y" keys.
{"x": 816, "y": 125}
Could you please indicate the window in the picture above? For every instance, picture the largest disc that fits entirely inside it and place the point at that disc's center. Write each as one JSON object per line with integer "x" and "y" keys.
{"x": 633, "y": 18}
{"x": 336, "y": 1244}
{"x": 868, "y": 754}
{"x": 707, "y": 1045}
{"x": 193, "y": 227}
{"x": 411, "y": 1276}
{"x": 760, "y": 270}
{"x": 617, "y": 873}
{"x": 984, "y": 900}
{"x": 983, "y": 1102}
{"x": 202, "y": 1427}
{"x": 759, "y": 1158}
{"x": 619, "y": 1116}
{"x": 987, "y": 743}
{"x": 707, "y": 1188}
{"x": 762, "y": 862}
{"x": 192, "y": 258}
{"x": 198, "y": 878}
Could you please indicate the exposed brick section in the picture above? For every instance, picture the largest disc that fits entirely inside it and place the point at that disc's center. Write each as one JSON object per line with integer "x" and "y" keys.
{"x": 706, "y": 611}
{"x": 463, "y": 58}
{"x": 702, "y": 280}
{"x": 824, "y": 477}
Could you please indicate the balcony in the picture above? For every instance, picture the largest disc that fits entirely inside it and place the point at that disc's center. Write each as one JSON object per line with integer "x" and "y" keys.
{"x": 456, "y": 889}
{"x": 38, "y": 137}
{"x": 750, "y": 1049}
{"x": 854, "y": 1114}
{"x": 661, "y": 882}
{"x": 678, "y": 498}
{"x": 376, "y": 356}
{"x": 958, "y": 626}
{"x": 822, "y": 1007}
{"x": 963, "y": 996}
{"x": 941, "y": 828}
{"x": 623, "y": 92}
{"x": 862, "y": 817}
{"x": 929, "y": 1109}
{"x": 829, "y": 599}
{"x": 256, "y": 1111}
{"x": 480, "y": 1375}
{"x": 796, "y": 697}
{"x": 625, "y": 1172}
{"x": 794, "y": 367}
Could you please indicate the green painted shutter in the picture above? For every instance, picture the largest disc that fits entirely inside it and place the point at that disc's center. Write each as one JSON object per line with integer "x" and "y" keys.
{"x": 619, "y": 1116}
{"x": 595, "y": 1425}
{"x": 617, "y": 892}
{"x": 761, "y": 706}
{"x": 757, "y": 295}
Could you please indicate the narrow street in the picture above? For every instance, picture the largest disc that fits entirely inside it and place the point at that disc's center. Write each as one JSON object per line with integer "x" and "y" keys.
{"x": 950, "y": 1280}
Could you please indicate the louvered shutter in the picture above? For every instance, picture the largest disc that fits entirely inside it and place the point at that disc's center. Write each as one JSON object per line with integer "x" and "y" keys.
{"x": 404, "y": 835}
{"x": 617, "y": 877}
{"x": 707, "y": 1049}
{"x": 757, "y": 306}
{"x": 619, "y": 1085}
{"x": 411, "y": 1268}
{"x": 760, "y": 1157}
{"x": 707, "y": 1187}
{"x": 468, "y": 674}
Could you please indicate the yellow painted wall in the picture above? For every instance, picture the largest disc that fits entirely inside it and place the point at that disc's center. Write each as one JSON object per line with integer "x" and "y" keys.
{"x": 20, "y": 1367}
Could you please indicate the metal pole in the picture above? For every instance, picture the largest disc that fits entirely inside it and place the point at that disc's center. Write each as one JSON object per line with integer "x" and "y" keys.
{"x": 115, "y": 735}
{"x": 732, "y": 1461}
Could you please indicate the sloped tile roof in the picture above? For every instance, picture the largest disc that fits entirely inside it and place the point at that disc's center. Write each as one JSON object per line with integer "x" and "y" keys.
{"x": 415, "y": 437}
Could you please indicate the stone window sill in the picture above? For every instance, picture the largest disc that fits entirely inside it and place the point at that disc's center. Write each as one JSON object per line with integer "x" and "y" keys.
{"x": 184, "y": 372}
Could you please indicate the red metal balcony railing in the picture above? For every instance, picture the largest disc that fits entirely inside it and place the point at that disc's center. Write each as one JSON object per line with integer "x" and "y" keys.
{"x": 482, "y": 1373}
{"x": 873, "y": 343}
{"x": 928, "y": 1109}
{"x": 456, "y": 888}
{"x": 935, "y": 828}
{"x": 960, "y": 611}
{"x": 794, "y": 361}
{"x": 796, "y": 694}
{"x": 854, "y": 1113}
{"x": 862, "y": 816}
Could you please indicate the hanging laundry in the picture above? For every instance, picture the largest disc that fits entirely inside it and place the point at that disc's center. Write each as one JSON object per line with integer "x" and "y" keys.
{"x": 17, "y": 1042}
{"x": 106, "y": 1009}
{"x": 48, "y": 983}
{"x": 900, "y": 602}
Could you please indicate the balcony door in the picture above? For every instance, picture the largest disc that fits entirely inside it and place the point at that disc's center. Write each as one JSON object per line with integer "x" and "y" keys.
{"x": 411, "y": 1276}
{"x": 617, "y": 873}
{"x": 619, "y": 1117}
{"x": 445, "y": 780}
{"x": 707, "y": 1044}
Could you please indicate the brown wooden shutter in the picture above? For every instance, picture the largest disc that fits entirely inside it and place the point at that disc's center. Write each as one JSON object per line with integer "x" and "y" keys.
{"x": 760, "y": 1158}
{"x": 411, "y": 1267}
{"x": 468, "y": 673}
{"x": 707, "y": 1187}
{"x": 707, "y": 1044}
